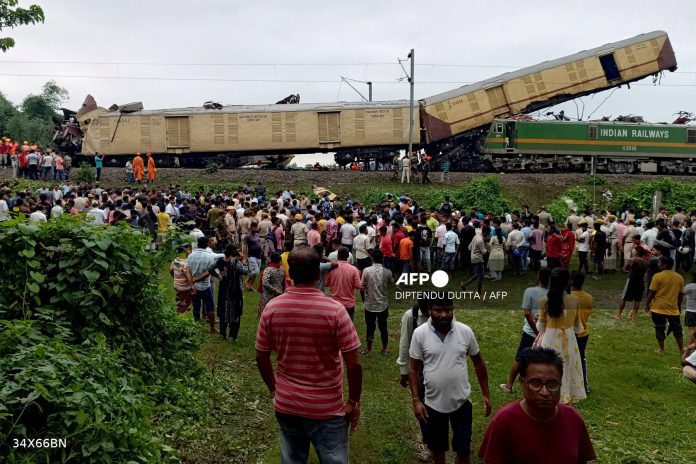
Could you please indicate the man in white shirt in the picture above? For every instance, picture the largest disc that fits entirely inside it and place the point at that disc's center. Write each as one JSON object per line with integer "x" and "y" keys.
{"x": 361, "y": 245}
{"x": 38, "y": 216}
{"x": 95, "y": 215}
{"x": 650, "y": 235}
{"x": 57, "y": 209}
{"x": 440, "y": 232}
{"x": 440, "y": 350}
{"x": 347, "y": 234}
{"x": 450, "y": 246}
{"x": 171, "y": 209}
{"x": 4, "y": 209}
{"x": 583, "y": 246}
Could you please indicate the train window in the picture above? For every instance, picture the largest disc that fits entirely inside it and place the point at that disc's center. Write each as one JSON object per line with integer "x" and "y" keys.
{"x": 691, "y": 136}
{"x": 611, "y": 71}
{"x": 593, "y": 133}
{"x": 498, "y": 128}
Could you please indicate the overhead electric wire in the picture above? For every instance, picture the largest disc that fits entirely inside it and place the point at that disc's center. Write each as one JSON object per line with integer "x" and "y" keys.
{"x": 183, "y": 64}
{"x": 299, "y": 81}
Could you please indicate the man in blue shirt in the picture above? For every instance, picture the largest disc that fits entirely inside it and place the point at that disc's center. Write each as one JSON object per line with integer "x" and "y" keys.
{"x": 98, "y": 163}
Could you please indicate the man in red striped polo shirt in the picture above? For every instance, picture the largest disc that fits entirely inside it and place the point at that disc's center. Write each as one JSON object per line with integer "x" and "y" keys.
{"x": 312, "y": 335}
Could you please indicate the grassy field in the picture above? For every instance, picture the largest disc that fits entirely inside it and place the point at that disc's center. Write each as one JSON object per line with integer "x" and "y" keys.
{"x": 640, "y": 410}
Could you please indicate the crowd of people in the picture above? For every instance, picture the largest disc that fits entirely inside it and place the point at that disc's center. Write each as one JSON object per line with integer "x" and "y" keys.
{"x": 307, "y": 256}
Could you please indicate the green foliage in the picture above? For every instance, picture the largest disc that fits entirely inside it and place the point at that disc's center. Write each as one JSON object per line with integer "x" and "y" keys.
{"x": 482, "y": 193}
{"x": 640, "y": 196}
{"x": 36, "y": 131}
{"x": 577, "y": 197}
{"x": 7, "y": 111}
{"x": 12, "y": 16}
{"x": 85, "y": 173}
{"x": 45, "y": 105}
{"x": 211, "y": 168}
{"x": 88, "y": 345}
{"x": 34, "y": 120}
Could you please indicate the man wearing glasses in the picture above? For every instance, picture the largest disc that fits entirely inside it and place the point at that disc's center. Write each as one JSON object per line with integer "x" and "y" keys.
{"x": 513, "y": 434}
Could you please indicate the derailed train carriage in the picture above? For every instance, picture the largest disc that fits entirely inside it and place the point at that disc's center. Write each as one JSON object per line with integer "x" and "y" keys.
{"x": 453, "y": 124}
{"x": 237, "y": 135}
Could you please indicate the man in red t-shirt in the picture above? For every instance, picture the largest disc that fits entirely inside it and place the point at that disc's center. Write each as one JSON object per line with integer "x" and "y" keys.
{"x": 553, "y": 247}
{"x": 386, "y": 246}
{"x": 313, "y": 336}
{"x": 538, "y": 429}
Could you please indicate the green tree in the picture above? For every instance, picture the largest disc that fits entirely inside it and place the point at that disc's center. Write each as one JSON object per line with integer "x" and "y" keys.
{"x": 7, "y": 112}
{"x": 45, "y": 105}
{"x": 12, "y": 16}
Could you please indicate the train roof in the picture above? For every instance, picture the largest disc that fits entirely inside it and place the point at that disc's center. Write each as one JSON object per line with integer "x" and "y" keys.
{"x": 273, "y": 108}
{"x": 595, "y": 123}
{"x": 502, "y": 78}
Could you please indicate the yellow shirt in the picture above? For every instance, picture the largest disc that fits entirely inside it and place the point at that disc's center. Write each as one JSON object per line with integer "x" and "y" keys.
{"x": 585, "y": 301}
{"x": 667, "y": 286}
{"x": 284, "y": 263}
{"x": 162, "y": 222}
{"x": 322, "y": 224}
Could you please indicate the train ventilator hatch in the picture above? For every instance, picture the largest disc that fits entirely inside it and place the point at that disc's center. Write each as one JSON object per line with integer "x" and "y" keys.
{"x": 330, "y": 128}
{"x": 178, "y": 133}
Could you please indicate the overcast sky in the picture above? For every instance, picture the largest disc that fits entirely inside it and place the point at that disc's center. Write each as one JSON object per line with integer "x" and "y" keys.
{"x": 250, "y": 52}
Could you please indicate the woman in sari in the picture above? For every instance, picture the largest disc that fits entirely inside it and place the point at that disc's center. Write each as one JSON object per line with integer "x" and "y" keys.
{"x": 272, "y": 282}
{"x": 559, "y": 321}
{"x": 230, "y": 269}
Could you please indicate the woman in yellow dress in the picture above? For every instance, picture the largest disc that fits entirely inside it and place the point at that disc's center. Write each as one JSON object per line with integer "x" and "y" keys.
{"x": 559, "y": 321}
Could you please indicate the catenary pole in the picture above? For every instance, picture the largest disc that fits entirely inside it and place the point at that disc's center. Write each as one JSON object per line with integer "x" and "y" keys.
{"x": 410, "y": 113}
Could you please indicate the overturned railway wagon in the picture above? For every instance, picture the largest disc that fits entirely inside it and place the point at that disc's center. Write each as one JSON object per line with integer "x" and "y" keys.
{"x": 529, "y": 89}
{"x": 614, "y": 147}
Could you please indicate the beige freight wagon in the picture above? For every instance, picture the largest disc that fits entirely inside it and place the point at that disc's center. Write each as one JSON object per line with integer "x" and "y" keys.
{"x": 192, "y": 134}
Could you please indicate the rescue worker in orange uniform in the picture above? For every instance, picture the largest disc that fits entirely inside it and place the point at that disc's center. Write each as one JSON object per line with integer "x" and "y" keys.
{"x": 151, "y": 169}
{"x": 138, "y": 167}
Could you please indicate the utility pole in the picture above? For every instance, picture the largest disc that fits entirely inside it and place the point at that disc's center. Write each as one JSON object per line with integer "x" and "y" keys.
{"x": 410, "y": 112}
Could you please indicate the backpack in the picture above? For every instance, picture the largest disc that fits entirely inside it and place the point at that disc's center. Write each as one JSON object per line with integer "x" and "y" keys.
{"x": 271, "y": 236}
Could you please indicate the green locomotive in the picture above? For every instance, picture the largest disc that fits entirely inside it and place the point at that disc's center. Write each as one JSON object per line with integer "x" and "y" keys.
{"x": 615, "y": 147}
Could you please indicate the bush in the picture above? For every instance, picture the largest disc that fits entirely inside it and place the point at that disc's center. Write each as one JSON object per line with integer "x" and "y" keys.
{"x": 88, "y": 343}
{"x": 640, "y": 196}
{"x": 577, "y": 197}
{"x": 211, "y": 168}
{"x": 482, "y": 193}
{"x": 85, "y": 173}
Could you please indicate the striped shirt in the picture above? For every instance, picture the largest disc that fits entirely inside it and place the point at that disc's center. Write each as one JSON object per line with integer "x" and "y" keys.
{"x": 309, "y": 331}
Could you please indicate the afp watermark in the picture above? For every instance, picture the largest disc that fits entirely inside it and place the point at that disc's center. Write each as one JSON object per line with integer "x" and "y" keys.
{"x": 439, "y": 279}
